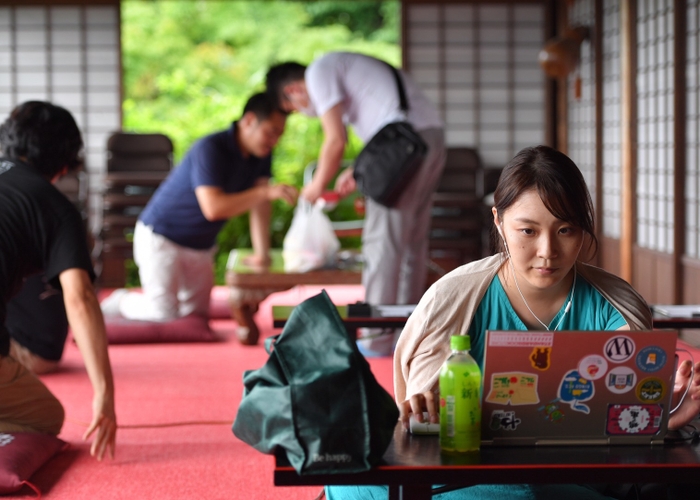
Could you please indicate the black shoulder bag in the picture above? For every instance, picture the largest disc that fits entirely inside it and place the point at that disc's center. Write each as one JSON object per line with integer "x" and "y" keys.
{"x": 391, "y": 158}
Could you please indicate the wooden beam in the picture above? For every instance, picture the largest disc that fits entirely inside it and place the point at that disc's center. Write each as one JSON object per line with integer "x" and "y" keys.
{"x": 628, "y": 115}
{"x": 597, "y": 34}
{"x": 679, "y": 145}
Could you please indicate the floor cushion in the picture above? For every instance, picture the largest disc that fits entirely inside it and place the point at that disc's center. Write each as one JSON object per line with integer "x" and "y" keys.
{"x": 192, "y": 328}
{"x": 21, "y": 454}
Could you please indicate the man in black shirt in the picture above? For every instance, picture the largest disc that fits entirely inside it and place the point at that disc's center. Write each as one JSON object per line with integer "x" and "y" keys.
{"x": 41, "y": 231}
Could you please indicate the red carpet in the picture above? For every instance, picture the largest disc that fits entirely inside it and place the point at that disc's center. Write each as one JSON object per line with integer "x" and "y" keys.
{"x": 161, "y": 384}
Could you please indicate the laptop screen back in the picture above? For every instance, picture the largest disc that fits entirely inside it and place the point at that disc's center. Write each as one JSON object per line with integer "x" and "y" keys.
{"x": 603, "y": 387}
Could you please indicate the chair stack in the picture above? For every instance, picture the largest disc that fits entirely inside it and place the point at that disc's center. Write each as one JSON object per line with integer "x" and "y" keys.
{"x": 136, "y": 165}
{"x": 458, "y": 230}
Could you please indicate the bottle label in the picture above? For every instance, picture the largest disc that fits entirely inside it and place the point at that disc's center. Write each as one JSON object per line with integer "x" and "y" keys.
{"x": 450, "y": 414}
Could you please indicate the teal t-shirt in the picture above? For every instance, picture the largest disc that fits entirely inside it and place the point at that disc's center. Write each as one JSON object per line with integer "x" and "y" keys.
{"x": 589, "y": 311}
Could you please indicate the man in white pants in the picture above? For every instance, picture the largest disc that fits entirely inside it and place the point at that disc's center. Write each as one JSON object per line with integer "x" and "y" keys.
{"x": 345, "y": 88}
{"x": 224, "y": 174}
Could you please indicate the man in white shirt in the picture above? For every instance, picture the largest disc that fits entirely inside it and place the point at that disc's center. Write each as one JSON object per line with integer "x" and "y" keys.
{"x": 344, "y": 88}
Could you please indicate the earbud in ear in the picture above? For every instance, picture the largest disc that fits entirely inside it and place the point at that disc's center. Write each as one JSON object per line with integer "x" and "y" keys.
{"x": 505, "y": 245}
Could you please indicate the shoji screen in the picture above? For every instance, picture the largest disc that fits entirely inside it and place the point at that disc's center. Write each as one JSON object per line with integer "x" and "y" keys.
{"x": 612, "y": 156}
{"x": 478, "y": 62}
{"x": 655, "y": 125}
{"x": 581, "y": 129}
{"x": 69, "y": 55}
{"x": 692, "y": 179}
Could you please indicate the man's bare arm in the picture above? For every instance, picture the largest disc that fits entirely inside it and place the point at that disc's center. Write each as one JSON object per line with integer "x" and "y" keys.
{"x": 331, "y": 153}
{"x": 216, "y": 204}
{"x": 87, "y": 323}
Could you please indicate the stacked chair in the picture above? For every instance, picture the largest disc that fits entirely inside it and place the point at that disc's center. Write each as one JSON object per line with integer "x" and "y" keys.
{"x": 460, "y": 218}
{"x": 136, "y": 165}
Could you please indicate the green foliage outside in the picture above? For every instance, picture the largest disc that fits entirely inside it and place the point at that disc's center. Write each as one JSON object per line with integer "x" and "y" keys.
{"x": 190, "y": 66}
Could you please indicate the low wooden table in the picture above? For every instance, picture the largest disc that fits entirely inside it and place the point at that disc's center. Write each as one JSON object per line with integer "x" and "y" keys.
{"x": 250, "y": 285}
{"x": 375, "y": 319}
{"x": 676, "y": 317}
{"x": 411, "y": 464}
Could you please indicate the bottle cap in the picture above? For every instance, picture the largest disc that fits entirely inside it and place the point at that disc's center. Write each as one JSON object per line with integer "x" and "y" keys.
{"x": 460, "y": 342}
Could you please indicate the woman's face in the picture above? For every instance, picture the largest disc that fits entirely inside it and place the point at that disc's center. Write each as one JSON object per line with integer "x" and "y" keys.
{"x": 543, "y": 249}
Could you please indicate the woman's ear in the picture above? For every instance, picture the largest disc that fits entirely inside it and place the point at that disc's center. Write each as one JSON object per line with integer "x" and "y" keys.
{"x": 496, "y": 218}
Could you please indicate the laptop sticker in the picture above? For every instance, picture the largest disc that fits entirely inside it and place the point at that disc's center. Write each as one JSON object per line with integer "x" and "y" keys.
{"x": 513, "y": 388}
{"x": 651, "y": 390}
{"x": 593, "y": 367}
{"x": 552, "y": 412}
{"x": 574, "y": 389}
{"x": 521, "y": 339}
{"x": 633, "y": 419}
{"x": 619, "y": 349}
{"x": 621, "y": 379}
{"x": 502, "y": 419}
{"x": 651, "y": 359}
{"x": 540, "y": 358}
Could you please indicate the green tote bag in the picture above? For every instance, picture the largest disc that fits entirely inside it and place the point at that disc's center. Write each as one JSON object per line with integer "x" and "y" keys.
{"x": 316, "y": 397}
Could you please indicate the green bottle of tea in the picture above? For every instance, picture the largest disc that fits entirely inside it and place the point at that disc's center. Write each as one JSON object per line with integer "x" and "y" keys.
{"x": 460, "y": 399}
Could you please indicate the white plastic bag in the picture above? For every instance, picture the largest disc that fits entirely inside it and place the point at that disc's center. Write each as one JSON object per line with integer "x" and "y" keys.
{"x": 310, "y": 242}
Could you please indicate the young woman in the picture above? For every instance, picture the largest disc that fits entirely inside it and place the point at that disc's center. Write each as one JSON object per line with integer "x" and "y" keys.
{"x": 544, "y": 220}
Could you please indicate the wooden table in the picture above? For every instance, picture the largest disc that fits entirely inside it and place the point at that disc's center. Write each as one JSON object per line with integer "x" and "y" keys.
{"x": 250, "y": 285}
{"x": 280, "y": 315}
{"x": 412, "y": 464}
{"x": 674, "y": 320}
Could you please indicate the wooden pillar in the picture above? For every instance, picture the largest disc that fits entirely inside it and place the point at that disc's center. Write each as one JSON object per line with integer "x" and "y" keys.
{"x": 628, "y": 105}
{"x": 597, "y": 34}
{"x": 679, "y": 145}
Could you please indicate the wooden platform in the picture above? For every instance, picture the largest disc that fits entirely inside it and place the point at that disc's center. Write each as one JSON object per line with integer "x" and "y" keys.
{"x": 250, "y": 285}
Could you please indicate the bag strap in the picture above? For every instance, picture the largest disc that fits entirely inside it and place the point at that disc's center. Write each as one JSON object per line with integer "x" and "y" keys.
{"x": 399, "y": 85}
{"x": 269, "y": 341}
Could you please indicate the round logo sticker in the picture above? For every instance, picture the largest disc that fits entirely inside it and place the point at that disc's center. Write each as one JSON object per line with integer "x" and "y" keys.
{"x": 593, "y": 367}
{"x": 619, "y": 349}
{"x": 651, "y": 358}
{"x": 651, "y": 390}
{"x": 620, "y": 379}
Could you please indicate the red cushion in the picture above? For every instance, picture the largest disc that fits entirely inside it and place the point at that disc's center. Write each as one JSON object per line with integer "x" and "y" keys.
{"x": 128, "y": 331}
{"x": 218, "y": 303}
{"x": 21, "y": 454}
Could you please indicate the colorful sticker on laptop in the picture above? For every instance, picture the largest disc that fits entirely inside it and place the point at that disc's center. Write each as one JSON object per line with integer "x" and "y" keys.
{"x": 574, "y": 389}
{"x": 502, "y": 419}
{"x": 552, "y": 412}
{"x": 621, "y": 379}
{"x": 513, "y": 388}
{"x": 593, "y": 367}
{"x": 634, "y": 419}
{"x": 521, "y": 339}
{"x": 651, "y": 390}
{"x": 619, "y": 349}
{"x": 540, "y": 358}
{"x": 651, "y": 359}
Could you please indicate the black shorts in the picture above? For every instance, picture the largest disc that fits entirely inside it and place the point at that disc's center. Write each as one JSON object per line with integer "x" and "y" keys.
{"x": 36, "y": 318}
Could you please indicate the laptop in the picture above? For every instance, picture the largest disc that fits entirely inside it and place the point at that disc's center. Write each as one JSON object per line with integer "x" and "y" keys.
{"x": 577, "y": 387}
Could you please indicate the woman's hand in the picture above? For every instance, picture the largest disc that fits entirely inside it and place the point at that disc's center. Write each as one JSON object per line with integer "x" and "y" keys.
{"x": 417, "y": 404}
{"x": 691, "y": 404}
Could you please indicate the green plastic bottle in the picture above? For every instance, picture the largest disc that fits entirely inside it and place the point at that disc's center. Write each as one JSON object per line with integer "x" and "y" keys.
{"x": 460, "y": 399}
